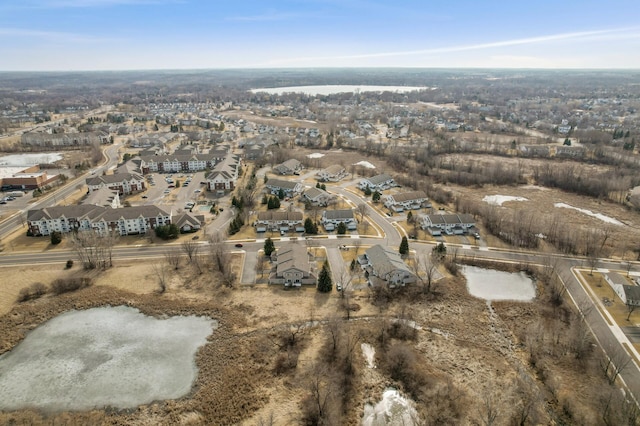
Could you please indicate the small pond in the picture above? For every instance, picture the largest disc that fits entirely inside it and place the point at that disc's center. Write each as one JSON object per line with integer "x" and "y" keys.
{"x": 490, "y": 284}
{"x": 107, "y": 356}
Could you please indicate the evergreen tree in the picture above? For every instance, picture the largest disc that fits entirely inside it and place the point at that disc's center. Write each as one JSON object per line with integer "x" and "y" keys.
{"x": 310, "y": 227}
{"x": 375, "y": 197}
{"x": 341, "y": 228}
{"x": 265, "y": 199}
{"x": 56, "y": 237}
{"x": 281, "y": 194}
{"x": 318, "y": 185}
{"x": 353, "y": 265}
{"x": 410, "y": 217}
{"x": 404, "y": 246}
{"x": 269, "y": 246}
{"x": 324, "y": 280}
{"x": 323, "y": 187}
{"x": 367, "y": 191}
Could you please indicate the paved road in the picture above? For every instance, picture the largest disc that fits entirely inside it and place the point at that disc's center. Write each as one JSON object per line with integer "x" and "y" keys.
{"x": 9, "y": 225}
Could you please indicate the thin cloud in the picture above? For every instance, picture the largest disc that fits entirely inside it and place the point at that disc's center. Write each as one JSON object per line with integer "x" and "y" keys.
{"x": 265, "y": 17}
{"x": 626, "y": 33}
{"x": 53, "y": 35}
{"x": 61, "y": 4}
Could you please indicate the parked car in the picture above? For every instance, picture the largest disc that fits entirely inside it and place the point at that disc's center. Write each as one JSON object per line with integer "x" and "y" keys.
{"x": 145, "y": 196}
{"x": 238, "y": 245}
{"x": 339, "y": 287}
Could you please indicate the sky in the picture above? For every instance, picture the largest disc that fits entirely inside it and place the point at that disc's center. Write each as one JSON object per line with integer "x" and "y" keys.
{"x": 74, "y": 35}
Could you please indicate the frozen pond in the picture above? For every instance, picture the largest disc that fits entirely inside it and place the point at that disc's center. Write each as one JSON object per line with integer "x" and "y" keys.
{"x": 333, "y": 89}
{"x": 108, "y": 356}
{"x": 365, "y": 164}
{"x": 393, "y": 409}
{"x": 25, "y": 160}
{"x": 490, "y": 284}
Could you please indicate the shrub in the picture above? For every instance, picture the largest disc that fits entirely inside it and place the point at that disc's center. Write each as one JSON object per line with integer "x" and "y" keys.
{"x": 34, "y": 291}
{"x": 56, "y": 237}
{"x": 66, "y": 285}
{"x": 69, "y": 263}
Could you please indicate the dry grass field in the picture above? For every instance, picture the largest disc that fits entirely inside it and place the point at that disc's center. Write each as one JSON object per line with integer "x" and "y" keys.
{"x": 461, "y": 350}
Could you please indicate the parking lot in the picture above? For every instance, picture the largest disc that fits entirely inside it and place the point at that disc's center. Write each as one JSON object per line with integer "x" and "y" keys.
{"x": 172, "y": 190}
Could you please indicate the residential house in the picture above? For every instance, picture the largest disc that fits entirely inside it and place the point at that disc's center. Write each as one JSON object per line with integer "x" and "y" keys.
{"x": 450, "y": 224}
{"x": 289, "y": 167}
{"x": 293, "y": 268}
{"x": 254, "y": 151}
{"x": 384, "y": 266}
{"x": 317, "y": 197}
{"x": 103, "y": 220}
{"x": 224, "y": 175}
{"x": 333, "y": 173}
{"x": 377, "y": 183}
{"x": 629, "y": 294}
{"x": 124, "y": 183}
{"x": 331, "y": 219}
{"x": 185, "y": 163}
{"x": 279, "y": 221}
{"x": 406, "y": 201}
{"x": 187, "y": 222}
{"x": 45, "y": 139}
{"x": 289, "y": 188}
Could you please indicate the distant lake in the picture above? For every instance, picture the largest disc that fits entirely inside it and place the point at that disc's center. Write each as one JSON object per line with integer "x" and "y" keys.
{"x": 333, "y": 89}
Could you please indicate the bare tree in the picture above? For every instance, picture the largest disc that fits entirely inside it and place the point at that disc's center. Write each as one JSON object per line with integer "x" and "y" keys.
{"x": 161, "y": 274}
{"x": 362, "y": 210}
{"x": 190, "y": 248}
{"x": 172, "y": 258}
{"x": 614, "y": 361}
{"x": 357, "y": 243}
{"x": 93, "y": 249}
{"x": 489, "y": 409}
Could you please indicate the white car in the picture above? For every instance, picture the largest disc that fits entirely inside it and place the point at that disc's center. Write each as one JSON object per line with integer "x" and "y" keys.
{"x": 197, "y": 191}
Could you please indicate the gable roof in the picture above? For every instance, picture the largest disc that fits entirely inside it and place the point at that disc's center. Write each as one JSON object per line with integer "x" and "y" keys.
{"x": 378, "y": 179}
{"x": 281, "y": 183}
{"x": 408, "y": 196}
{"x": 384, "y": 260}
{"x": 292, "y": 257}
{"x": 278, "y": 215}
{"x": 338, "y": 214}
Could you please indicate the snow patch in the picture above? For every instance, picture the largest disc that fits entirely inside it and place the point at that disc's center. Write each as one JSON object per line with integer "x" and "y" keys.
{"x": 20, "y": 160}
{"x": 600, "y": 216}
{"x": 497, "y": 200}
{"x": 315, "y": 155}
{"x": 365, "y": 164}
{"x": 393, "y": 409}
{"x": 369, "y": 353}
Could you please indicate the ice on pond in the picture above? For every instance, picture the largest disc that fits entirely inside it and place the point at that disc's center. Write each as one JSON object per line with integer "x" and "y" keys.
{"x": 490, "y": 284}
{"x": 107, "y": 356}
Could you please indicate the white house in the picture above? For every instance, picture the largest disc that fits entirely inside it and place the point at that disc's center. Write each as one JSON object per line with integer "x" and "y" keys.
{"x": 406, "y": 201}
{"x": 450, "y": 224}
{"x": 377, "y": 183}
{"x": 331, "y": 219}
{"x": 289, "y": 188}
{"x": 124, "y": 221}
{"x": 124, "y": 183}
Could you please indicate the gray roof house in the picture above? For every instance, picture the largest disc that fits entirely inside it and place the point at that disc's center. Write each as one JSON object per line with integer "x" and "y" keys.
{"x": 406, "y": 201}
{"x": 289, "y": 167}
{"x": 292, "y": 267}
{"x": 124, "y": 183}
{"x": 377, "y": 183}
{"x": 289, "y": 188}
{"x": 384, "y": 266}
{"x": 333, "y": 173}
{"x": 331, "y": 218}
{"x": 317, "y": 196}
{"x": 450, "y": 224}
